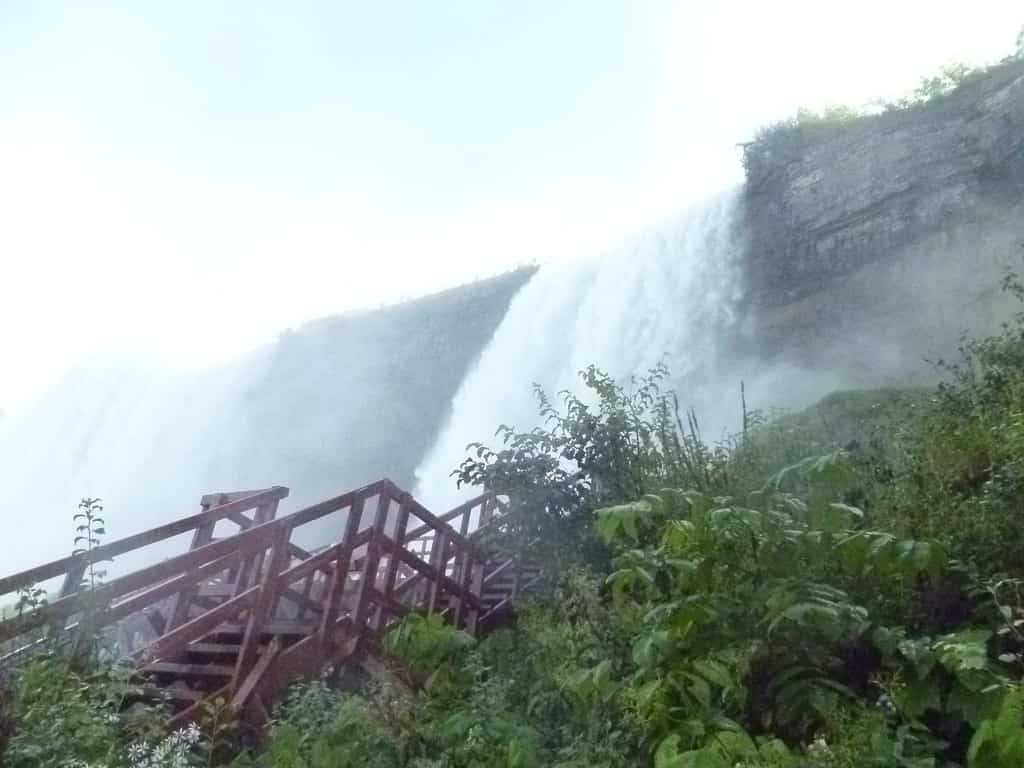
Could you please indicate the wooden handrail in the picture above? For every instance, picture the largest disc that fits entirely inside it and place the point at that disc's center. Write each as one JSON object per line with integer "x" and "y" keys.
{"x": 321, "y": 561}
{"x": 259, "y": 586}
{"x": 61, "y": 608}
{"x": 246, "y": 540}
{"x": 434, "y": 574}
{"x": 464, "y": 508}
{"x": 103, "y": 552}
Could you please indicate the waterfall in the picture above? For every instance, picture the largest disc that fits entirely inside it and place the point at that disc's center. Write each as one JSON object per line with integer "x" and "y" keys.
{"x": 148, "y": 440}
{"x": 668, "y": 294}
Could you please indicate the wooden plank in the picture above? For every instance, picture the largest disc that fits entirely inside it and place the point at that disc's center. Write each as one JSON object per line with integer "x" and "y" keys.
{"x": 263, "y": 608}
{"x": 298, "y": 552}
{"x": 463, "y": 560}
{"x": 324, "y": 508}
{"x": 393, "y": 606}
{"x": 321, "y": 561}
{"x": 496, "y": 572}
{"x": 241, "y": 520}
{"x": 214, "y": 649}
{"x": 300, "y": 601}
{"x": 368, "y": 579}
{"x": 336, "y": 585}
{"x": 477, "y": 568}
{"x": 174, "y": 642}
{"x": 135, "y": 581}
{"x": 223, "y": 497}
{"x": 401, "y": 523}
{"x": 179, "y": 669}
{"x": 273, "y": 627}
{"x": 432, "y": 522}
{"x": 252, "y": 566}
{"x": 152, "y": 595}
{"x": 178, "y": 694}
{"x": 518, "y": 586}
{"x": 73, "y": 580}
{"x": 244, "y": 691}
{"x": 256, "y": 678}
{"x": 107, "y": 551}
{"x": 434, "y": 573}
{"x": 249, "y": 540}
{"x": 302, "y": 659}
{"x": 202, "y": 536}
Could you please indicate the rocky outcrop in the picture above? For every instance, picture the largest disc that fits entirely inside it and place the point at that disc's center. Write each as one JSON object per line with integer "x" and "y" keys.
{"x": 886, "y": 237}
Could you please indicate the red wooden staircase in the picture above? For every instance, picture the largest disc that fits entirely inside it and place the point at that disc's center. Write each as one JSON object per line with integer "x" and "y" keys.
{"x": 249, "y": 608}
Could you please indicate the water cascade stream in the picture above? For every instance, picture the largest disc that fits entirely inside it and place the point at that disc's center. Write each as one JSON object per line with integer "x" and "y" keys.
{"x": 668, "y": 294}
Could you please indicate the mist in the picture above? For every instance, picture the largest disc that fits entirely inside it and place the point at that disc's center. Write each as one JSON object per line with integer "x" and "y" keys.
{"x": 212, "y": 219}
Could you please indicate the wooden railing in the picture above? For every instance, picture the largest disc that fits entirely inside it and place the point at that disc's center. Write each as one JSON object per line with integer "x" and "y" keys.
{"x": 244, "y": 614}
{"x": 72, "y": 595}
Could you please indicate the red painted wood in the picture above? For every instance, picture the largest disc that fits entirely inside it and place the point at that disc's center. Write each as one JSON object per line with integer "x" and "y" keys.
{"x": 229, "y": 589}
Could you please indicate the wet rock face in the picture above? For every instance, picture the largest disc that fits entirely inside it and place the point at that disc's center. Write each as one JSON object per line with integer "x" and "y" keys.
{"x": 832, "y": 206}
{"x": 887, "y": 224}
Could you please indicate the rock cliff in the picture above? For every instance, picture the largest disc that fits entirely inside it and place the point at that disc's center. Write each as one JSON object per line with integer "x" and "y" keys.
{"x": 875, "y": 242}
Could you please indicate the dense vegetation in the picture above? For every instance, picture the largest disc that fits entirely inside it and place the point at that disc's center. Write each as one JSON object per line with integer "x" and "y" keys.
{"x": 833, "y": 589}
{"x": 775, "y": 144}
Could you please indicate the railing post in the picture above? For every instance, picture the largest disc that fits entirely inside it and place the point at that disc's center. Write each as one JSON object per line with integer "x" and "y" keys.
{"x": 401, "y": 523}
{"x": 266, "y": 601}
{"x": 73, "y": 579}
{"x": 249, "y": 569}
{"x": 183, "y": 602}
{"x": 368, "y": 579}
{"x": 476, "y": 581}
{"x": 438, "y": 560}
{"x": 336, "y": 589}
{"x": 463, "y": 564}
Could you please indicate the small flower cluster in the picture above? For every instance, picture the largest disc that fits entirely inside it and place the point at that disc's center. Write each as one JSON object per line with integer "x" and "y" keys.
{"x": 175, "y": 751}
{"x": 818, "y": 748}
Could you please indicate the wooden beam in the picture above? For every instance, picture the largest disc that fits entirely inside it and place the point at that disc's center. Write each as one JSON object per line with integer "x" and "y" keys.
{"x": 368, "y": 578}
{"x": 418, "y": 531}
{"x": 401, "y": 523}
{"x": 252, "y": 680}
{"x": 263, "y": 608}
{"x": 434, "y": 573}
{"x": 476, "y": 575}
{"x": 463, "y": 564}
{"x": 152, "y": 595}
{"x": 336, "y": 584}
{"x": 176, "y": 640}
{"x": 202, "y": 536}
{"x": 103, "y": 552}
{"x": 496, "y": 572}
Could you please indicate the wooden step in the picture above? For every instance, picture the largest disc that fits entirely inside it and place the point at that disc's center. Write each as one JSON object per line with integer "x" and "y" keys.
{"x": 217, "y": 590}
{"x": 285, "y": 628}
{"x": 216, "y": 649}
{"x": 176, "y": 694}
{"x": 181, "y": 670}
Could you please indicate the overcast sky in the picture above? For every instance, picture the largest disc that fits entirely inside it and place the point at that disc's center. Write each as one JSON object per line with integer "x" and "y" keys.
{"x": 189, "y": 178}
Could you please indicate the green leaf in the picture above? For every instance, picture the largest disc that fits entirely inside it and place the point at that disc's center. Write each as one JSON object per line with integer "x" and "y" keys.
{"x": 714, "y": 672}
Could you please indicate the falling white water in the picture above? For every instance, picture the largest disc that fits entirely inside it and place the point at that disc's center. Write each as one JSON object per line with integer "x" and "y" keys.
{"x": 147, "y": 440}
{"x": 666, "y": 295}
